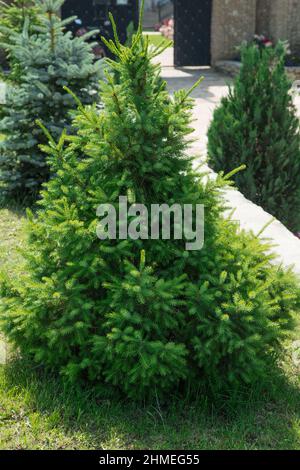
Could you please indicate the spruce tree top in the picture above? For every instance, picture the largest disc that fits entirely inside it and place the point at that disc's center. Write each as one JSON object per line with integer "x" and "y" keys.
{"x": 12, "y": 19}
{"x": 48, "y": 35}
{"x": 13, "y": 14}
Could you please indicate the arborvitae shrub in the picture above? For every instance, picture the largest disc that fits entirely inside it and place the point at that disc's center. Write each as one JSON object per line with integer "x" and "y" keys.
{"x": 49, "y": 59}
{"x": 146, "y": 316}
{"x": 257, "y": 125}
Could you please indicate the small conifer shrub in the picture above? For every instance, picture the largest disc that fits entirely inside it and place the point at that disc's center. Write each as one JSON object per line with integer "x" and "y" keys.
{"x": 13, "y": 14}
{"x": 49, "y": 60}
{"x": 257, "y": 125}
{"x": 12, "y": 18}
{"x": 145, "y": 316}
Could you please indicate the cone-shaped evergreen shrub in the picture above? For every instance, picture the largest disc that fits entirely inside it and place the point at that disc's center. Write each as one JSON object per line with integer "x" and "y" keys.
{"x": 146, "y": 316}
{"x": 257, "y": 125}
{"x": 49, "y": 60}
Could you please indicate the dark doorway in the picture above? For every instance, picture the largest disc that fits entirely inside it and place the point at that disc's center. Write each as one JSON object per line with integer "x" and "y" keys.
{"x": 192, "y": 32}
{"x": 94, "y": 13}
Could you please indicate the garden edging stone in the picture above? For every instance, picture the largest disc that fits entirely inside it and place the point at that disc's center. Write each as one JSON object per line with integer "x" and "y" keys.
{"x": 232, "y": 68}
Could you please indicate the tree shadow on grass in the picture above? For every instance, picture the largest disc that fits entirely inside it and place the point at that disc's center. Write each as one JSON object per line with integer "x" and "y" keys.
{"x": 43, "y": 412}
{"x": 18, "y": 205}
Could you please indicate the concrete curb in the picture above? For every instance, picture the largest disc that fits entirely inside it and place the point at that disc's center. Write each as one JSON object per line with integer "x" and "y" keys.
{"x": 232, "y": 68}
{"x": 254, "y": 218}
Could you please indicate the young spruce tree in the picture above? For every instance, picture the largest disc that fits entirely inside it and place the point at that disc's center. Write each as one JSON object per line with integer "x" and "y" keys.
{"x": 257, "y": 125}
{"x": 13, "y": 15}
{"x": 145, "y": 316}
{"x": 12, "y": 18}
{"x": 49, "y": 60}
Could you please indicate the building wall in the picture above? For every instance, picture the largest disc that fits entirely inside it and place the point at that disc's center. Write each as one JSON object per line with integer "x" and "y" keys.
{"x": 285, "y": 22}
{"x": 149, "y": 4}
{"x": 236, "y": 20}
{"x": 263, "y": 17}
{"x": 233, "y": 21}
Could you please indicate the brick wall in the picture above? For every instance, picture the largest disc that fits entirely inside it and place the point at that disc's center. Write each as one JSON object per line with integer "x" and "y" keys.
{"x": 236, "y": 20}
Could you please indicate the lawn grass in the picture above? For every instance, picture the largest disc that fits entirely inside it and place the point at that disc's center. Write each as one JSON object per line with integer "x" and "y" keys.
{"x": 11, "y": 238}
{"x": 38, "y": 411}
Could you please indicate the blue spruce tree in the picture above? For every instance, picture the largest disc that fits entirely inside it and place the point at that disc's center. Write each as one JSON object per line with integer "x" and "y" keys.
{"x": 48, "y": 60}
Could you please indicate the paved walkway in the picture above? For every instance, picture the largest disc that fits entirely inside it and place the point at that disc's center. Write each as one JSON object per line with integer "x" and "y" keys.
{"x": 207, "y": 97}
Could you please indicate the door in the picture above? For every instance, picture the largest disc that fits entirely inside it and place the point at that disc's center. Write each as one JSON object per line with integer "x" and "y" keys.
{"x": 192, "y": 32}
